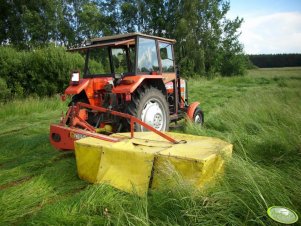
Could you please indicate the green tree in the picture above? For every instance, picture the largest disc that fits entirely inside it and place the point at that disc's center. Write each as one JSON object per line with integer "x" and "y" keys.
{"x": 190, "y": 53}
{"x": 207, "y": 41}
{"x": 90, "y": 21}
{"x": 128, "y": 18}
{"x": 11, "y": 22}
{"x": 27, "y": 24}
{"x": 207, "y": 38}
{"x": 233, "y": 61}
{"x": 111, "y": 9}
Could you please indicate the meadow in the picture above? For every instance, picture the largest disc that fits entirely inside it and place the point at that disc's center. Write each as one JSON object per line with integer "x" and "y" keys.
{"x": 259, "y": 113}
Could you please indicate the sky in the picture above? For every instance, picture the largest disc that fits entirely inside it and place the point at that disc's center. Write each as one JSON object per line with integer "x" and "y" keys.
{"x": 270, "y": 26}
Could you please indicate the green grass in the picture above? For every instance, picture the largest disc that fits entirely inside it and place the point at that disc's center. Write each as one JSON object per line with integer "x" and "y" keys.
{"x": 259, "y": 113}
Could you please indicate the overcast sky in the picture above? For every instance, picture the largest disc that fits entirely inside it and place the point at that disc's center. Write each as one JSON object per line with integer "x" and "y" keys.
{"x": 270, "y": 26}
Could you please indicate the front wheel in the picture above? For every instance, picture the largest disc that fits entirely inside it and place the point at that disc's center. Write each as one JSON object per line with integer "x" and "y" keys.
{"x": 150, "y": 106}
{"x": 198, "y": 117}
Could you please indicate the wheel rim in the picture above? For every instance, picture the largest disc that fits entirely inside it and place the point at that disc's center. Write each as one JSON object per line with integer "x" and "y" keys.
{"x": 153, "y": 114}
{"x": 198, "y": 119}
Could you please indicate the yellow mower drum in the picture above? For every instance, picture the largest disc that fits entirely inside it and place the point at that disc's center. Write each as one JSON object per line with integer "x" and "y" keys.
{"x": 119, "y": 164}
{"x": 196, "y": 162}
{"x": 148, "y": 161}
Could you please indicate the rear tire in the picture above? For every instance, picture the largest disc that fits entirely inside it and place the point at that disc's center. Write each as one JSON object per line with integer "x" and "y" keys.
{"x": 150, "y": 106}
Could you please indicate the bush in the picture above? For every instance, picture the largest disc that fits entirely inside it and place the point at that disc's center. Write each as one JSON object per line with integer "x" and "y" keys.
{"x": 43, "y": 72}
{"x": 4, "y": 91}
{"x": 234, "y": 65}
{"x": 11, "y": 70}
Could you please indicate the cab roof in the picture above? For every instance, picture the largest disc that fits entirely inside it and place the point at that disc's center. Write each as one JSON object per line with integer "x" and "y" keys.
{"x": 115, "y": 40}
{"x": 129, "y": 35}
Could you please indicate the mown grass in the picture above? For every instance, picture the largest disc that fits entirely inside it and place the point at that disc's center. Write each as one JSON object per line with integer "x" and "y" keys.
{"x": 259, "y": 113}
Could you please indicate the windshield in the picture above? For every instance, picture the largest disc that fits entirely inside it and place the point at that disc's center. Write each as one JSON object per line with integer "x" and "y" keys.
{"x": 147, "y": 56}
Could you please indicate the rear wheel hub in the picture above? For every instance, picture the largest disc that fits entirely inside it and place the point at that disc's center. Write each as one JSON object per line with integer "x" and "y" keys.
{"x": 153, "y": 114}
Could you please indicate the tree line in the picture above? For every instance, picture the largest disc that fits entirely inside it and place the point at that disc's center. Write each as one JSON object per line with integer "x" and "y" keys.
{"x": 207, "y": 41}
{"x": 276, "y": 60}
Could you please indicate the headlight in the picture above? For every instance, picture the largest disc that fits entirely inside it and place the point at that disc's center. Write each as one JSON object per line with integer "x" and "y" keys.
{"x": 75, "y": 77}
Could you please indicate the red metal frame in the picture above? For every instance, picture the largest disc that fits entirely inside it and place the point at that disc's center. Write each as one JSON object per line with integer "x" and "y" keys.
{"x": 124, "y": 115}
{"x": 67, "y": 135}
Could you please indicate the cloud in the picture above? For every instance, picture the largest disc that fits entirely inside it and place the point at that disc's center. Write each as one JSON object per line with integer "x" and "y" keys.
{"x": 273, "y": 33}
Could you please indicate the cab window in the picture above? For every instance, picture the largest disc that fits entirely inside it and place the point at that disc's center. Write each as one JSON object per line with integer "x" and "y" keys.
{"x": 119, "y": 60}
{"x": 98, "y": 62}
{"x": 147, "y": 56}
{"x": 166, "y": 57}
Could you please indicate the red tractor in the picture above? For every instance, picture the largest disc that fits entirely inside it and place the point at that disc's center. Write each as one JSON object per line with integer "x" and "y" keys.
{"x": 124, "y": 75}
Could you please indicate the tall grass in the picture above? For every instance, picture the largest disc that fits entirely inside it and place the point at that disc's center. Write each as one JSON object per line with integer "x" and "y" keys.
{"x": 25, "y": 107}
{"x": 260, "y": 115}
{"x": 264, "y": 124}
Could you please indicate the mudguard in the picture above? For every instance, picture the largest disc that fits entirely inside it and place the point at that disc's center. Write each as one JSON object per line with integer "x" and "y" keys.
{"x": 131, "y": 83}
{"x": 191, "y": 108}
{"x": 76, "y": 89}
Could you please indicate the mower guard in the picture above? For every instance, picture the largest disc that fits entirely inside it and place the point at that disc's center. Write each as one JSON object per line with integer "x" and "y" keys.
{"x": 63, "y": 137}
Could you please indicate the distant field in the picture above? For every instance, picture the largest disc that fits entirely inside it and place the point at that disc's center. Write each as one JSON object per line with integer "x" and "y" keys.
{"x": 259, "y": 113}
{"x": 275, "y": 72}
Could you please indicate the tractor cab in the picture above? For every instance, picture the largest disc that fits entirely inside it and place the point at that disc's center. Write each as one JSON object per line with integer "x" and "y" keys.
{"x": 127, "y": 55}
{"x": 132, "y": 74}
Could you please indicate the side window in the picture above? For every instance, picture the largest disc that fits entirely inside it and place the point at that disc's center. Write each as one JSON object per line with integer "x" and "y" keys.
{"x": 98, "y": 62}
{"x": 166, "y": 57}
{"x": 119, "y": 60}
{"x": 147, "y": 56}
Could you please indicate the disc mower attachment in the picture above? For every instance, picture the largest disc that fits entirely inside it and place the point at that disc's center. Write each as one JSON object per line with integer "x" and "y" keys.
{"x": 149, "y": 161}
